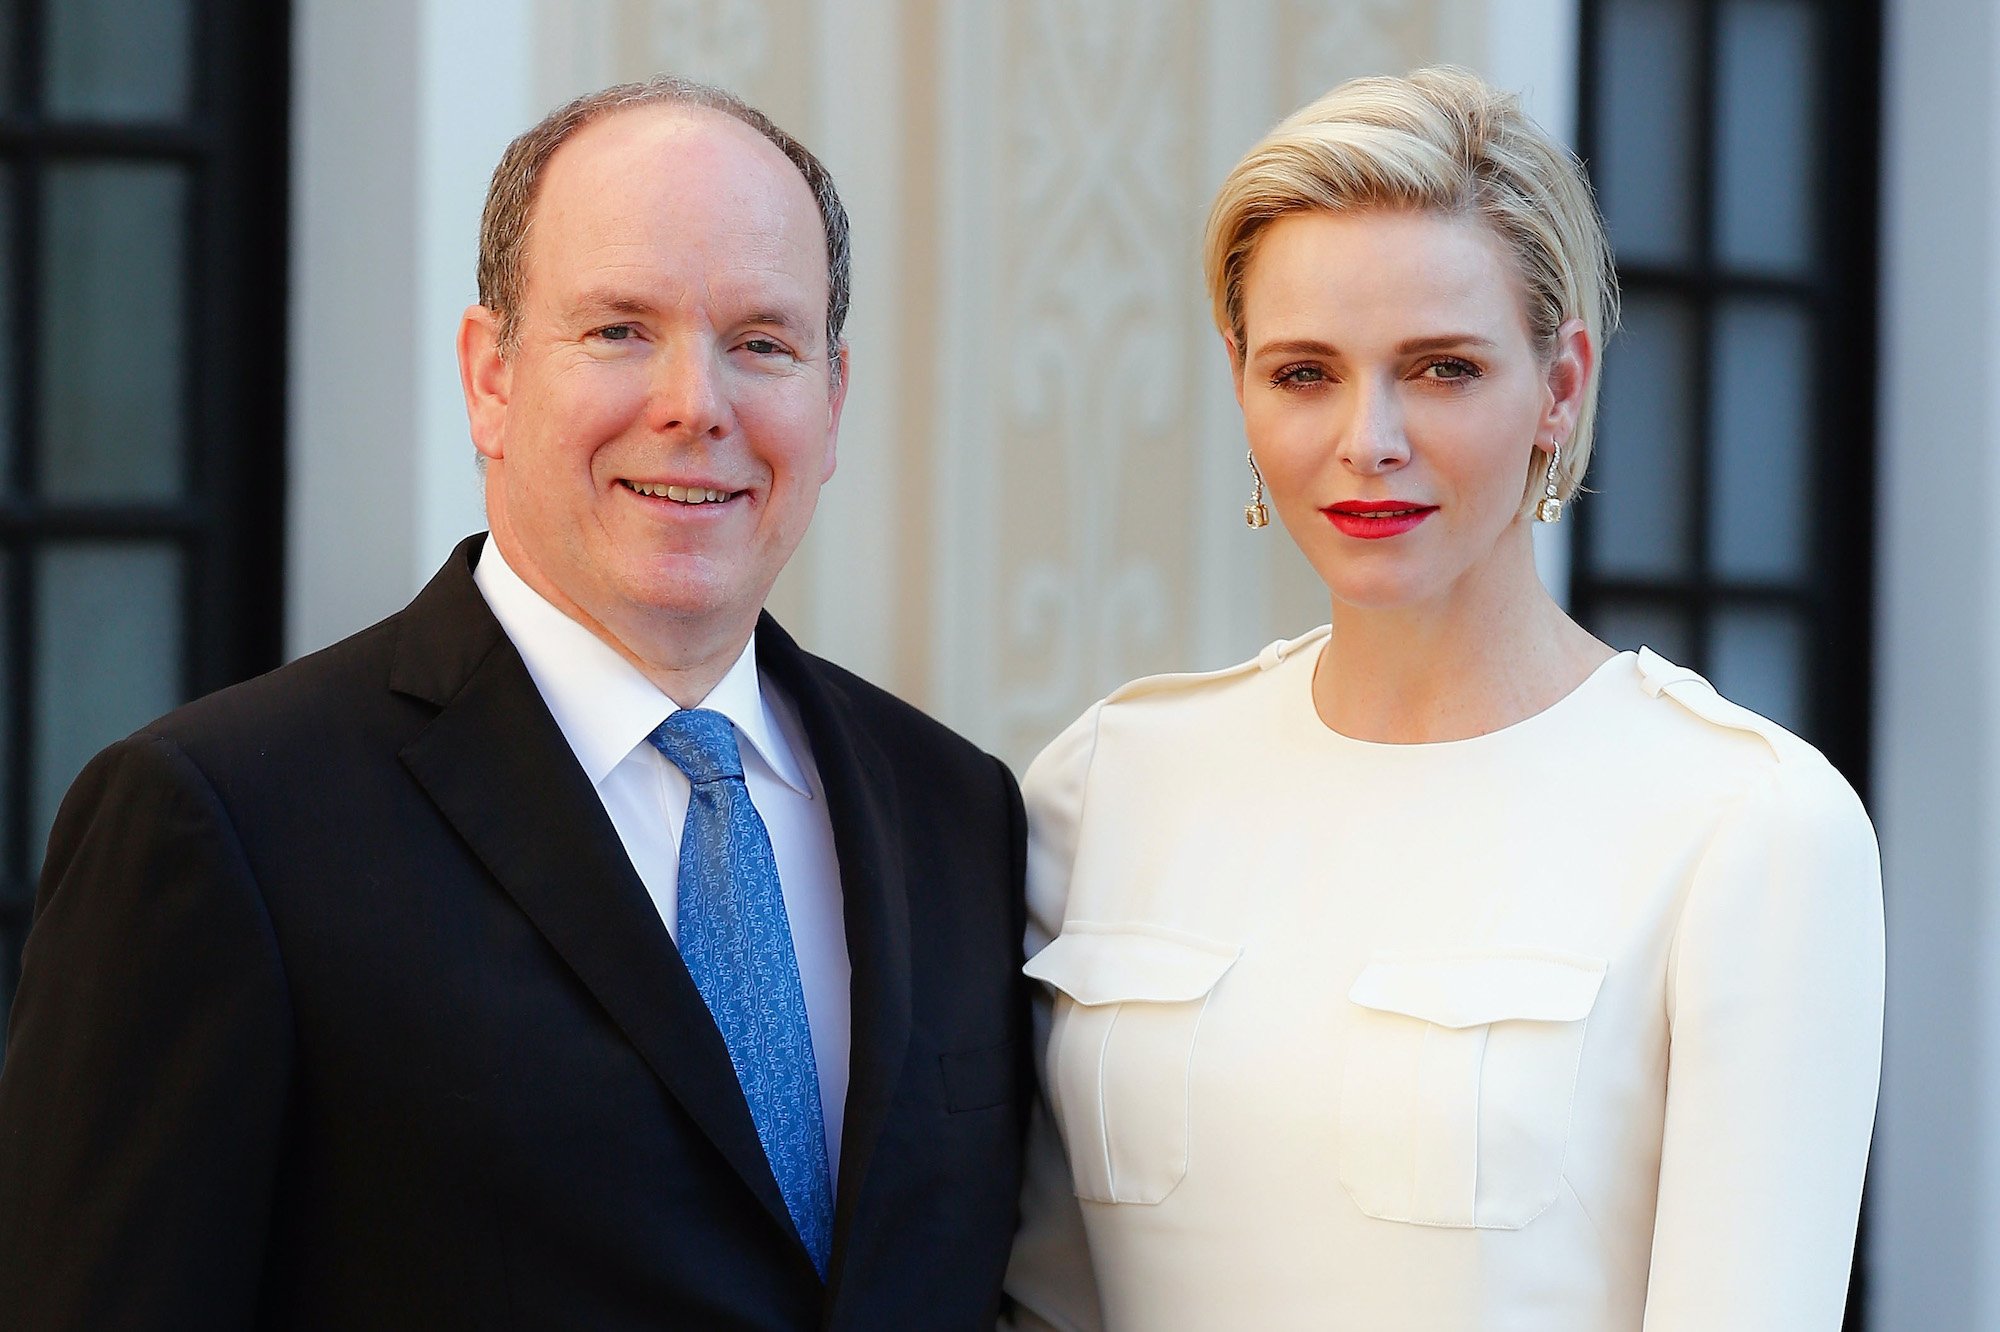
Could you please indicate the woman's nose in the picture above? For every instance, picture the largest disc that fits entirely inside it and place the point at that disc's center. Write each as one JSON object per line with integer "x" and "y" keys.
{"x": 1373, "y": 440}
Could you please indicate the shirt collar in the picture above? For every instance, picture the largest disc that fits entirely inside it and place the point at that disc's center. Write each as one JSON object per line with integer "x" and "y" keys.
{"x": 603, "y": 705}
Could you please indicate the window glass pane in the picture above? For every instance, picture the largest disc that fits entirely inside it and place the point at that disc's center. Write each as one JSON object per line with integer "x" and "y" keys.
{"x": 1759, "y": 505}
{"x": 1759, "y": 660}
{"x": 112, "y": 347}
{"x": 10, "y": 30}
{"x": 8, "y": 684}
{"x": 1642, "y": 464}
{"x": 108, "y": 655}
{"x": 119, "y": 59}
{"x": 1628, "y": 627}
{"x": 1766, "y": 99}
{"x": 7, "y": 324}
{"x": 1645, "y": 157}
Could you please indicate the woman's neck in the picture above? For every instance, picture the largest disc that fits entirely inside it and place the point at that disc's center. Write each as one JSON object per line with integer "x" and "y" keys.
{"x": 1472, "y": 662}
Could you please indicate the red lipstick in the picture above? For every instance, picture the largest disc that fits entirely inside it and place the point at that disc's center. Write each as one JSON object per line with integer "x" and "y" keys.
{"x": 1371, "y": 520}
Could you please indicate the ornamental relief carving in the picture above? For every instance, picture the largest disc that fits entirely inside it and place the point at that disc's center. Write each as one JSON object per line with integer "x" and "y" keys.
{"x": 1324, "y": 42}
{"x": 761, "y": 50}
{"x": 1097, "y": 257}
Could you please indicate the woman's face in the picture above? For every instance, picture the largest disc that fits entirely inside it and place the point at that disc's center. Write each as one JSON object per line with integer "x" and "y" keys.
{"x": 1394, "y": 400}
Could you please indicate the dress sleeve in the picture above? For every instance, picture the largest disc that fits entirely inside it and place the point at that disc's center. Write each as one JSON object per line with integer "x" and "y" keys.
{"x": 1050, "y": 1284}
{"x": 1774, "y": 1005}
{"x": 148, "y": 1058}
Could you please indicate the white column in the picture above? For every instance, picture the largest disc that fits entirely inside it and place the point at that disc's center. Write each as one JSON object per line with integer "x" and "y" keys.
{"x": 352, "y": 394}
{"x": 476, "y": 76}
{"x": 399, "y": 113}
{"x": 1934, "y": 1252}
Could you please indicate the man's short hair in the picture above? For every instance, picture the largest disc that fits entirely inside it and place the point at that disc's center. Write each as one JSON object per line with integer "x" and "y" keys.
{"x": 510, "y": 199}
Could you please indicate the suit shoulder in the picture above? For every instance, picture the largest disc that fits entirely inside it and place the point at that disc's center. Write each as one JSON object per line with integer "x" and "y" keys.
{"x": 903, "y": 725}
{"x": 334, "y": 687}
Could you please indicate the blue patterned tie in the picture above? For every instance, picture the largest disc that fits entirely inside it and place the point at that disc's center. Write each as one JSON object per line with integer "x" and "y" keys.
{"x": 737, "y": 942}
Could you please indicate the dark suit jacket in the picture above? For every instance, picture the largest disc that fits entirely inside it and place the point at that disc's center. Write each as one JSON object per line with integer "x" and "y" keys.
{"x": 343, "y": 1008}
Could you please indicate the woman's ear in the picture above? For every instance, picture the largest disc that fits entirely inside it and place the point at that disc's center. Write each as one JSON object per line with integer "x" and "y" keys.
{"x": 1235, "y": 354}
{"x": 1568, "y": 380}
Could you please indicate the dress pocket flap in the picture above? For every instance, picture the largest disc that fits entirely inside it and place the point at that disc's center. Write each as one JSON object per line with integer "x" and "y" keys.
{"x": 1113, "y": 964}
{"x": 1471, "y": 989}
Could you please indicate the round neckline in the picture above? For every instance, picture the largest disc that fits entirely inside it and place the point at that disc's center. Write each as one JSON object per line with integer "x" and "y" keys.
{"x": 1513, "y": 730}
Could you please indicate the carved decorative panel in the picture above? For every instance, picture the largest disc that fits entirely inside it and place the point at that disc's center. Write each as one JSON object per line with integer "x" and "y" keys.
{"x": 1093, "y": 256}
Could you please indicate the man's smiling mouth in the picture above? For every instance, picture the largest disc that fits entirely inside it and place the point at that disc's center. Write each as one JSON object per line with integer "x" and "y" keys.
{"x": 681, "y": 494}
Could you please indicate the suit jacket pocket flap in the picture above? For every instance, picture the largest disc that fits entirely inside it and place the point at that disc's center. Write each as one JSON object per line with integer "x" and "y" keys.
{"x": 1471, "y": 989}
{"x": 1112, "y": 964}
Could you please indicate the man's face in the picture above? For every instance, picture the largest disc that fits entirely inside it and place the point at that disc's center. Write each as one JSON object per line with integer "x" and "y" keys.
{"x": 656, "y": 442}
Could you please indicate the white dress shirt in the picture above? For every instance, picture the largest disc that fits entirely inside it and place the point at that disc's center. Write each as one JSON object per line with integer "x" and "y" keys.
{"x": 1570, "y": 1027}
{"x": 606, "y": 709}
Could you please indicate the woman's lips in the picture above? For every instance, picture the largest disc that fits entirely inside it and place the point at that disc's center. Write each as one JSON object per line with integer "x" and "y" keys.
{"x": 1371, "y": 520}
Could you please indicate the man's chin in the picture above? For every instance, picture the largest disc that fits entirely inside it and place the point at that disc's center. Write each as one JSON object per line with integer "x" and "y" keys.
{"x": 694, "y": 594}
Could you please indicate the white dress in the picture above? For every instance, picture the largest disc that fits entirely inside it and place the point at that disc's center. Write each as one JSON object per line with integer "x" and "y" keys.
{"x": 1575, "y": 1025}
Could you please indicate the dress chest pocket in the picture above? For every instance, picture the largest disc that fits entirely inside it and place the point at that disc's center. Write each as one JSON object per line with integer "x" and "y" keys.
{"x": 1458, "y": 1083}
{"x": 1129, "y": 1003}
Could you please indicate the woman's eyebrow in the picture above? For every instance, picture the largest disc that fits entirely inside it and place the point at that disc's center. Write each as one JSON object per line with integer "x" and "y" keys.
{"x": 1297, "y": 347}
{"x": 1413, "y": 346}
{"x": 1445, "y": 342}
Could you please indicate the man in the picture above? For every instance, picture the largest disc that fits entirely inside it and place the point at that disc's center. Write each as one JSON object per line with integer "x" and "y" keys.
{"x": 570, "y": 949}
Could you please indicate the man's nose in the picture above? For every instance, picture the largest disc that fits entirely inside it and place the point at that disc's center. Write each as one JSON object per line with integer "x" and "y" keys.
{"x": 1372, "y": 438}
{"x": 687, "y": 396}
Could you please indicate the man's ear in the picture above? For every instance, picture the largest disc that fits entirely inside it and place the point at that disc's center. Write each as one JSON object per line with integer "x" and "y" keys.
{"x": 841, "y": 367}
{"x": 487, "y": 379}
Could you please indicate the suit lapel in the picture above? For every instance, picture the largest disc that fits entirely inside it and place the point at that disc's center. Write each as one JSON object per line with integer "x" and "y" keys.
{"x": 497, "y": 767}
{"x": 868, "y": 841}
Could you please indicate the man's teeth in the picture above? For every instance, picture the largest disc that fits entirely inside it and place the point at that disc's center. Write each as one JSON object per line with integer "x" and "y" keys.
{"x": 685, "y": 494}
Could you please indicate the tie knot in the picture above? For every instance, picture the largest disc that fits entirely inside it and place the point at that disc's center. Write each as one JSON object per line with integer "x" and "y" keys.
{"x": 701, "y": 744}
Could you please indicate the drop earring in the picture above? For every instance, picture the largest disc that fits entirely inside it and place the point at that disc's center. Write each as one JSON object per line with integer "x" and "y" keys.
{"x": 1254, "y": 513}
{"x": 1550, "y": 509}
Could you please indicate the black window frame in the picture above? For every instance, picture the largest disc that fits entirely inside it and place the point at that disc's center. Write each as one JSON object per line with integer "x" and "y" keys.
{"x": 227, "y": 522}
{"x": 1837, "y": 592}
{"x": 1841, "y": 293}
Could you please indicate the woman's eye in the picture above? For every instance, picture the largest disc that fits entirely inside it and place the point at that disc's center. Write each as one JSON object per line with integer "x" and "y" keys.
{"x": 1293, "y": 376}
{"x": 1450, "y": 370}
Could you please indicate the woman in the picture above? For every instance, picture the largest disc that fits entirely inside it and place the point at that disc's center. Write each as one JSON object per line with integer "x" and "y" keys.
{"x": 1442, "y": 968}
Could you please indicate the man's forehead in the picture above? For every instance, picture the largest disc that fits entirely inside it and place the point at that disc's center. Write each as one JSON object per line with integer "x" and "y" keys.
{"x": 685, "y": 170}
{"x": 693, "y": 147}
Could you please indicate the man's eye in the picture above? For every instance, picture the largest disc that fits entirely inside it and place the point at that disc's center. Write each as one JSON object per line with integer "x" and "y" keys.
{"x": 616, "y": 332}
{"x": 762, "y": 347}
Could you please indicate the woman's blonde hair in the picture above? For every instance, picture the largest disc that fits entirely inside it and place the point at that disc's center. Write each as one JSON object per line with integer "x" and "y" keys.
{"x": 1440, "y": 141}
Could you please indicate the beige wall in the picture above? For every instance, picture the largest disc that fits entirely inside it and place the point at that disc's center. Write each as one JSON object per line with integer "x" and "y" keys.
{"x": 1042, "y": 480}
